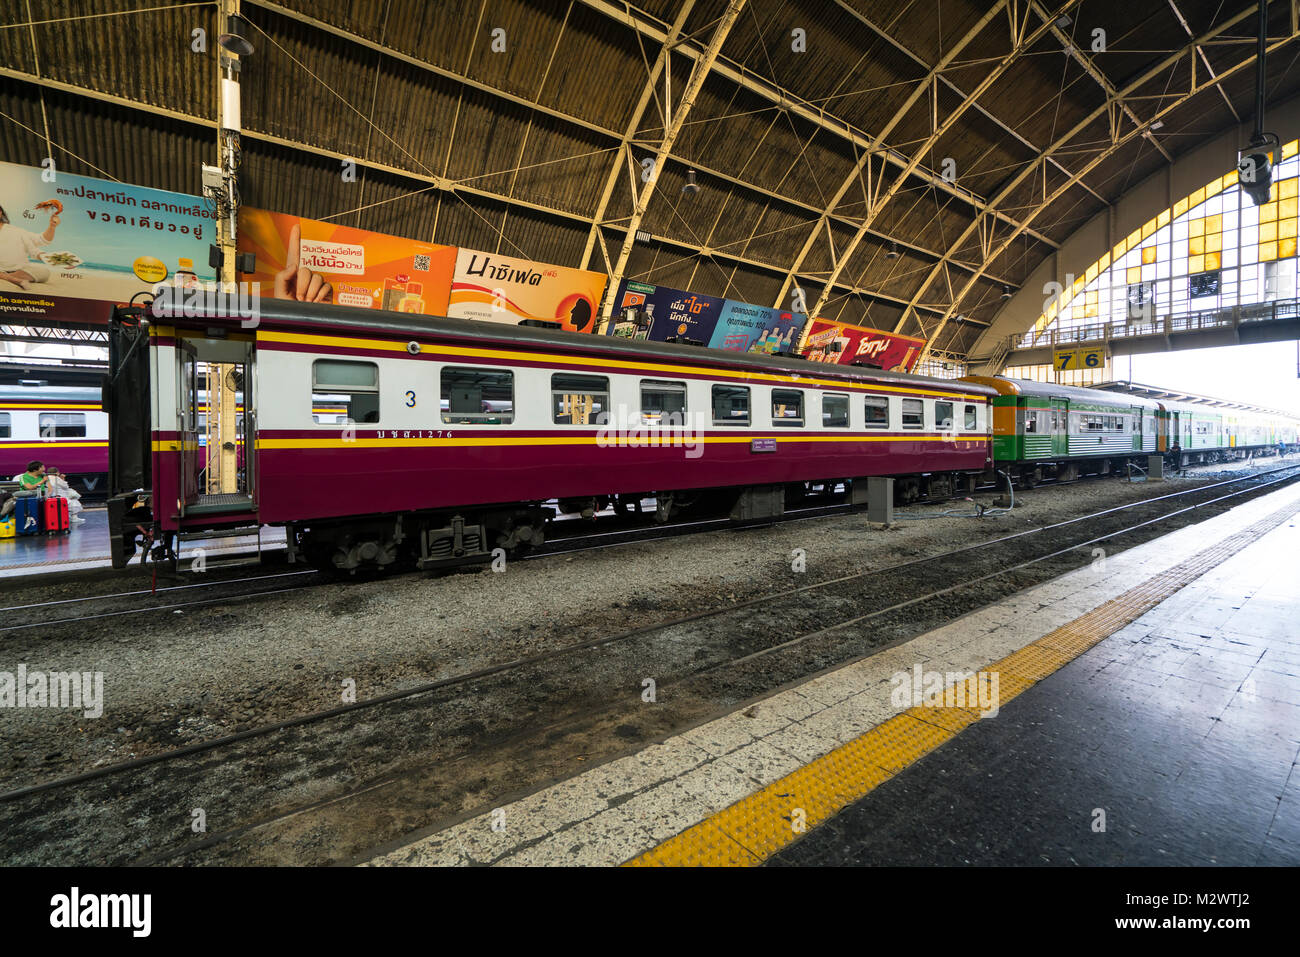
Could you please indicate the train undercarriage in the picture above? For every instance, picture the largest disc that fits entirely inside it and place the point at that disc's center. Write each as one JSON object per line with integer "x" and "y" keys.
{"x": 1027, "y": 475}
{"x": 448, "y": 538}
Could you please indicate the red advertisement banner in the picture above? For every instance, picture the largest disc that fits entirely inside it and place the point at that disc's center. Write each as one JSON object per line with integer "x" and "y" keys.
{"x": 845, "y": 344}
{"x": 323, "y": 262}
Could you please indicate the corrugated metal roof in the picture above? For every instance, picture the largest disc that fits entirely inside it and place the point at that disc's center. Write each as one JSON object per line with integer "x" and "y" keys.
{"x": 464, "y": 144}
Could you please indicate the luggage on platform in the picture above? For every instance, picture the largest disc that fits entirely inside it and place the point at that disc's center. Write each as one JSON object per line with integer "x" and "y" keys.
{"x": 27, "y": 515}
{"x": 8, "y": 527}
{"x": 56, "y": 515}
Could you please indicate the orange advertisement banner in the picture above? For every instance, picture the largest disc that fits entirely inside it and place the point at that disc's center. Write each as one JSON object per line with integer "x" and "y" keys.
{"x": 847, "y": 344}
{"x": 497, "y": 288}
{"x": 312, "y": 261}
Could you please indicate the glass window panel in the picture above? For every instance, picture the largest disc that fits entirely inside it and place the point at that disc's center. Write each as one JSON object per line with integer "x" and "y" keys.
{"x": 913, "y": 414}
{"x": 877, "y": 408}
{"x": 578, "y": 399}
{"x": 343, "y": 391}
{"x": 787, "y": 408}
{"x": 330, "y": 373}
{"x": 835, "y": 411}
{"x": 477, "y": 396}
{"x": 730, "y": 405}
{"x": 660, "y": 399}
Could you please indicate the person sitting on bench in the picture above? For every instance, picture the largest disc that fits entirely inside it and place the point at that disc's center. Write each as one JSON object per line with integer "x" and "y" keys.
{"x": 34, "y": 479}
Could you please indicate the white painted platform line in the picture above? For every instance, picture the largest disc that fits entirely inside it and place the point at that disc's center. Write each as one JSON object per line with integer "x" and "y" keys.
{"x": 611, "y": 813}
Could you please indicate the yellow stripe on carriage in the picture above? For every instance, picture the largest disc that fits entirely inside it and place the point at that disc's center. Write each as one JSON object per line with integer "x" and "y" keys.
{"x": 51, "y": 407}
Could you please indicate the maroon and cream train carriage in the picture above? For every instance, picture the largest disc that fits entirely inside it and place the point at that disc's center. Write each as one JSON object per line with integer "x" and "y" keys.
{"x": 378, "y": 436}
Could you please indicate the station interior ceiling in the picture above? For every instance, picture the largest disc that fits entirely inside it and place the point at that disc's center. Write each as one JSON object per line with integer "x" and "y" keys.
{"x": 904, "y": 163}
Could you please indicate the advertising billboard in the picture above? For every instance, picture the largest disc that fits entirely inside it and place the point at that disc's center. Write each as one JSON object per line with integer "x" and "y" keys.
{"x": 314, "y": 261}
{"x": 72, "y": 246}
{"x": 506, "y": 289}
{"x": 846, "y": 344}
{"x": 744, "y": 327}
{"x": 675, "y": 314}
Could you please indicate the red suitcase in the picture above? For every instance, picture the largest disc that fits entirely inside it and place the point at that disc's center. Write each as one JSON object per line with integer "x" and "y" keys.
{"x": 56, "y": 516}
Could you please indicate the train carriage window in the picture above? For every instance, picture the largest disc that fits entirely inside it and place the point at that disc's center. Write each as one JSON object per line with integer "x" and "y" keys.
{"x": 943, "y": 416}
{"x": 835, "y": 411}
{"x": 62, "y": 425}
{"x": 478, "y": 396}
{"x": 877, "y": 407}
{"x": 971, "y": 422}
{"x": 663, "y": 403}
{"x": 787, "y": 408}
{"x": 730, "y": 405}
{"x": 352, "y": 387}
{"x": 579, "y": 399}
{"x": 6, "y": 429}
{"x": 913, "y": 414}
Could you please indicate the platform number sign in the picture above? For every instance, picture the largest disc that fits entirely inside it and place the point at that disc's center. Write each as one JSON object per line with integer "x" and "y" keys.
{"x": 1067, "y": 359}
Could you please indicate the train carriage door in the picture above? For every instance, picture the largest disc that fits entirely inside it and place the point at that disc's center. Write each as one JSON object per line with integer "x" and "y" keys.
{"x": 187, "y": 425}
{"x": 1060, "y": 427}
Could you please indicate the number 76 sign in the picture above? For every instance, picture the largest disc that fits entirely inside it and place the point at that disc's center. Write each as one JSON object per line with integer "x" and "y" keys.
{"x": 1066, "y": 359}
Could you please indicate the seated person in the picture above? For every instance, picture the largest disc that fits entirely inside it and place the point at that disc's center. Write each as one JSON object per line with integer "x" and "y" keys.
{"x": 34, "y": 479}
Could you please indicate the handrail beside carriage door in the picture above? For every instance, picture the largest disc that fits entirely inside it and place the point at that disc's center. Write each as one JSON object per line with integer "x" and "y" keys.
{"x": 187, "y": 425}
{"x": 250, "y": 423}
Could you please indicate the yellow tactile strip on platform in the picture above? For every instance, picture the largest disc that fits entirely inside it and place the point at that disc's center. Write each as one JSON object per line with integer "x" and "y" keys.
{"x": 756, "y": 827}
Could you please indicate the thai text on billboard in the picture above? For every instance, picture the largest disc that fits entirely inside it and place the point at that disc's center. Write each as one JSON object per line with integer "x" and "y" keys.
{"x": 674, "y": 314}
{"x": 847, "y": 344}
{"x": 313, "y": 261}
{"x": 506, "y": 289}
{"x": 73, "y": 246}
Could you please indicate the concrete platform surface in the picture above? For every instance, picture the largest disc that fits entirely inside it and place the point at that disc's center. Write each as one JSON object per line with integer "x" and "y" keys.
{"x": 1144, "y": 708}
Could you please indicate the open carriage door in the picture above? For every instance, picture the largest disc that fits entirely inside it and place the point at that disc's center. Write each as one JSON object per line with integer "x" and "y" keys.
{"x": 187, "y": 425}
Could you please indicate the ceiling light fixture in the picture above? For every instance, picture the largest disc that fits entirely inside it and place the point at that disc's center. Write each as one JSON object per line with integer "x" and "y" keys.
{"x": 893, "y": 251}
{"x": 235, "y": 39}
{"x": 691, "y": 186}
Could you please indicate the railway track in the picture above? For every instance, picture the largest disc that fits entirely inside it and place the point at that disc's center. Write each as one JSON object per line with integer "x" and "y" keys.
{"x": 143, "y": 601}
{"x": 730, "y": 644}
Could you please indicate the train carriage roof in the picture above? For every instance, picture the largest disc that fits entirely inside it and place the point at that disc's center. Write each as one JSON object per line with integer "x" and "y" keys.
{"x": 1049, "y": 390}
{"x": 344, "y": 319}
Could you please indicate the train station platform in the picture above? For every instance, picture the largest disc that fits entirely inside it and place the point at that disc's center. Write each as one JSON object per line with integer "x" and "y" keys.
{"x": 86, "y": 547}
{"x": 1143, "y": 709}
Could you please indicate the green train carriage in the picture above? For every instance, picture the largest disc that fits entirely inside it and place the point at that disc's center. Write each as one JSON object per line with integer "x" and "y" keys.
{"x": 1044, "y": 431}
